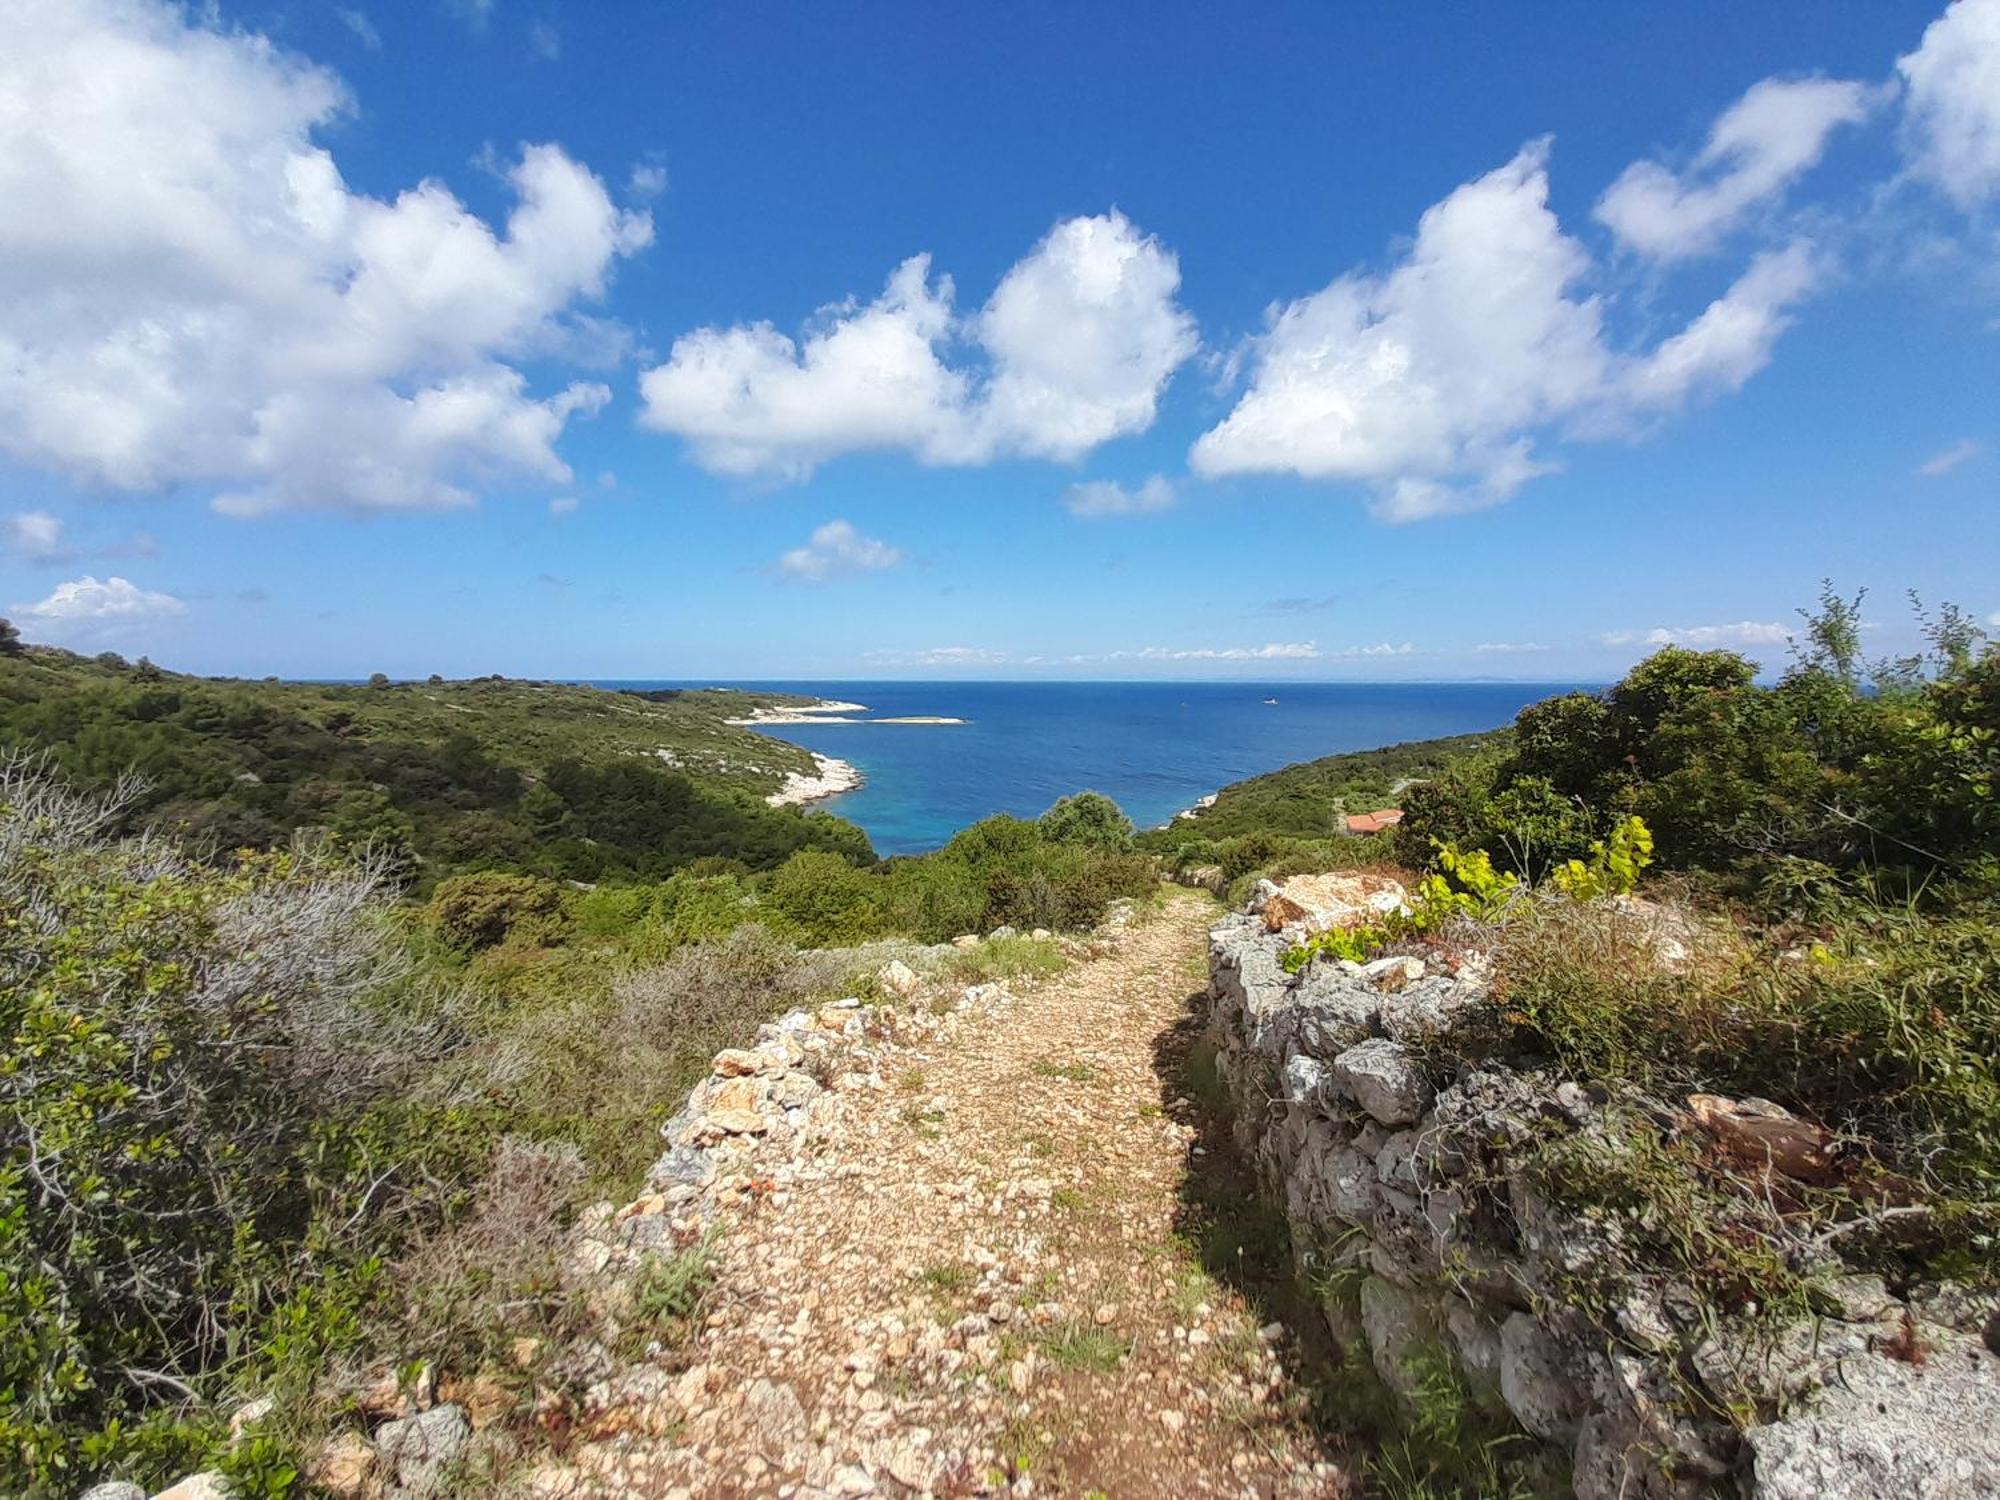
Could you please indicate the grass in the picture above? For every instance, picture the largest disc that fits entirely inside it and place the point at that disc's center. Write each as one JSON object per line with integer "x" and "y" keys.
{"x": 669, "y": 1295}
{"x": 1080, "y": 1345}
{"x": 1006, "y": 958}
{"x": 947, "y": 1279}
{"x": 1880, "y": 1029}
{"x": 1071, "y": 1072}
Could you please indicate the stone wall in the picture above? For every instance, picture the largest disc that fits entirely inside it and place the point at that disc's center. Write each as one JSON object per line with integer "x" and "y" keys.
{"x": 1412, "y": 1177}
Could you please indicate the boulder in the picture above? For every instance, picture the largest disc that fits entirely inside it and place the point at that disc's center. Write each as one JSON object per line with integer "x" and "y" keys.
{"x": 417, "y": 1450}
{"x": 1379, "y": 1076}
{"x": 343, "y": 1467}
{"x": 1319, "y": 902}
{"x": 897, "y": 978}
{"x": 1397, "y": 1325}
{"x": 1761, "y": 1134}
{"x": 1535, "y": 1380}
{"x": 207, "y": 1485}
{"x": 1889, "y": 1429}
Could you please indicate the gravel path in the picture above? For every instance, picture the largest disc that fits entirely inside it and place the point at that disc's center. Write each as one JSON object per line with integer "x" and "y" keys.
{"x": 1018, "y": 1260}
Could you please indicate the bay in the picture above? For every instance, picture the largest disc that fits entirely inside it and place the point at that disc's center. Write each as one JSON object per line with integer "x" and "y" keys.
{"x": 1153, "y": 747}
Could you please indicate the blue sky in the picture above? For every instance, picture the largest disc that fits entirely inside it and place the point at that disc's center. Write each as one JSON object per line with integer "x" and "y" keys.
{"x": 1313, "y": 342}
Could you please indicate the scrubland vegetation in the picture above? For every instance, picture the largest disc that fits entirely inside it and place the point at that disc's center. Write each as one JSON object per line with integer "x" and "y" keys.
{"x": 1818, "y": 930}
{"x": 325, "y": 1016}
{"x": 274, "y": 1113}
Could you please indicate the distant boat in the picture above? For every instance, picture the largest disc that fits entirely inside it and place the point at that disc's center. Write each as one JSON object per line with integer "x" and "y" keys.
{"x": 1272, "y": 701}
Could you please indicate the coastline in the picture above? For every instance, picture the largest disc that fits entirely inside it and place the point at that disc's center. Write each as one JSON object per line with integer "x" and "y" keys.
{"x": 830, "y": 778}
{"x": 828, "y": 711}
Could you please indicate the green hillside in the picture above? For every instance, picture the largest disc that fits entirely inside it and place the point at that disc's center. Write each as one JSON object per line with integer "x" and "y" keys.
{"x": 562, "y": 779}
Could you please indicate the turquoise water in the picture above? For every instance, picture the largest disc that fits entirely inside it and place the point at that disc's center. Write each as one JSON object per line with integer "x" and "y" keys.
{"x": 1154, "y": 747}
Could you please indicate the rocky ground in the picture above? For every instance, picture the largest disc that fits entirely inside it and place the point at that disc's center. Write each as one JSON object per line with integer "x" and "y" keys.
{"x": 1012, "y": 1254}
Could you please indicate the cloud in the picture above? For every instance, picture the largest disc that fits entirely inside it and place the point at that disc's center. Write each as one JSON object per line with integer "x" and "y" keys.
{"x": 939, "y": 656}
{"x": 1943, "y": 463}
{"x": 114, "y": 600}
{"x": 648, "y": 180}
{"x": 1099, "y": 498}
{"x": 35, "y": 535}
{"x": 1431, "y": 382}
{"x": 1742, "y": 633}
{"x": 564, "y": 505}
{"x": 1951, "y": 125}
{"x": 1505, "y": 648}
{"x": 1756, "y": 148}
{"x": 364, "y": 30}
{"x": 1276, "y": 651}
{"x": 190, "y": 293}
{"x": 837, "y": 550}
{"x": 544, "y": 41}
{"x": 1079, "y": 339}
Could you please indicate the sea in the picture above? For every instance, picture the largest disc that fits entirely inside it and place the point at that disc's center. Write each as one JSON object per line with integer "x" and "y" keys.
{"x": 1153, "y": 747}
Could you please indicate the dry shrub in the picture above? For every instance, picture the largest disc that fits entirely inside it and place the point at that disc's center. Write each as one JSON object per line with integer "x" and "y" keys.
{"x": 618, "y": 1059}
{"x": 1645, "y": 992}
{"x": 493, "y": 1274}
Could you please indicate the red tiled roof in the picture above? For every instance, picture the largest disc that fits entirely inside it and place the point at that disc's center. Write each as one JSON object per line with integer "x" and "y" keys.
{"x": 1374, "y": 822}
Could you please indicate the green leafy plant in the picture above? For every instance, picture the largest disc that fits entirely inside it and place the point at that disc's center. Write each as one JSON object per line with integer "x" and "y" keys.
{"x": 1615, "y": 865}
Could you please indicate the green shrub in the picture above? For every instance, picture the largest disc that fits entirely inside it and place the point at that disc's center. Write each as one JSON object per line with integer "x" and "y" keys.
{"x": 483, "y": 909}
{"x": 1088, "y": 818}
{"x": 194, "y": 1054}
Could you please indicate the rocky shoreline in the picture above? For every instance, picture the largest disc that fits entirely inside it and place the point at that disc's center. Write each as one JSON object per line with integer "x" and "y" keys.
{"x": 829, "y": 778}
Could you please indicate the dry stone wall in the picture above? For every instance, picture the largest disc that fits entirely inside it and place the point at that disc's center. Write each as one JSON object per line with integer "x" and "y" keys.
{"x": 1414, "y": 1178}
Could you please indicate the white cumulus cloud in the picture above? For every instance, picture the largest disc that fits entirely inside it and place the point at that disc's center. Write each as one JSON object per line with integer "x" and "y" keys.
{"x": 837, "y": 550}
{"x": 1756, "y": 148}
{"x": 1098, "y": 498}
{"x": 1079, "y": 340}
{"x": 1432, "y": 381}
{"x": 1952, "y": 106}
{"x": 191, "y": 293}
{"x": 1506, "y": 648}
{"x": 113, "y": 600}
{"x": 939, "y": 656}
{"x": 1741, "y": 633}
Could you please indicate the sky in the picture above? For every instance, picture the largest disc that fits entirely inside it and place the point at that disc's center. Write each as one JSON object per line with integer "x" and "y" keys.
{"x": 737, "y": 340}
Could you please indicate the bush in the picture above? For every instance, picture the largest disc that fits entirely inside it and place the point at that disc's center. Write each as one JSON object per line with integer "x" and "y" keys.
{"x": 481, "y": 910}
{"x": 194, "y": 1053}
{"x": 1088, "y": 818}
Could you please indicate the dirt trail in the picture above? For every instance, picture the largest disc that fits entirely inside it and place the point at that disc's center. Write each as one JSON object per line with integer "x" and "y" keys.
{"x": 1021, "y": 1262}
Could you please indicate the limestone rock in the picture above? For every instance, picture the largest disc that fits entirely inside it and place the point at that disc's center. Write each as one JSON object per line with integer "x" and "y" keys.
{"x": 113, "y": 1489}
{"x": 344, "y": 1466}
{"x": 207, "y": 1485}
{"x": 1759, "y": 1133}
{"x": 1396, "y": 1324}
{"x": 418, "y": 1449}
{"x": 897, "y": 978}
{"x": 1535, "y": 1380}
{"x": 1379, "y": 1076}
{"x": 1320, "y": 902}
{"x": 1889, "y": 1430}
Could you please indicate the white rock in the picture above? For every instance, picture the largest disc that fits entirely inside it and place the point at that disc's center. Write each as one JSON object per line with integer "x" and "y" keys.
{"x": 1379, "y": 1076}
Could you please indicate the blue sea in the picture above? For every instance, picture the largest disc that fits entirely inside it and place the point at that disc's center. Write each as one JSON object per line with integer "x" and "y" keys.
{"x": 1154, "y": 747}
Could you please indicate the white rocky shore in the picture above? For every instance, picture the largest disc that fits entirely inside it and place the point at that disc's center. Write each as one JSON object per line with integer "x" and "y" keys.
{"x": 829, "y": 711}
{"x": 829, "y": 778}
{"x": 825, "y": 711}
